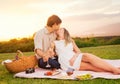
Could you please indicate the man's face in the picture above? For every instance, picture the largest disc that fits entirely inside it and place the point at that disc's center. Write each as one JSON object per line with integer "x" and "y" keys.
{"x": 60, "y": 32}
{"x": 55, "y": 27}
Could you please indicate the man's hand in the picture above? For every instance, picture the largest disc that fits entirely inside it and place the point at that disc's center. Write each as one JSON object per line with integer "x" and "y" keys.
{"x": 51, "y": 52}
{"x": 47, "y": 55}
{"x": 45, "y": 58}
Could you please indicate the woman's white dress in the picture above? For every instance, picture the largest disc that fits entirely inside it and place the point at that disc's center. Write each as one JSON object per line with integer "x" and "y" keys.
{"x": 65, "y": 53}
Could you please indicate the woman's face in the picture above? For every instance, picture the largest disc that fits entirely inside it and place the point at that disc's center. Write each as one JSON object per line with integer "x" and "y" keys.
{"x": 60, "y": 33}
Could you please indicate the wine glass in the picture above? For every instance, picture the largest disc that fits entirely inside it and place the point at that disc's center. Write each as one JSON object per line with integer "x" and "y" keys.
{"x": 48, "y": 65}
{"x": 70, "y": 71}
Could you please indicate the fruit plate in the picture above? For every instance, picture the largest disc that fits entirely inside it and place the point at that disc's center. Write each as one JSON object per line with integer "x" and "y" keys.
{"x": 64, "y": 75}
{"x": 52, "y": 73}
{"x": 84, "y": 77}
{"x": 67, "y": 77}
{"x": 56, "y": 73}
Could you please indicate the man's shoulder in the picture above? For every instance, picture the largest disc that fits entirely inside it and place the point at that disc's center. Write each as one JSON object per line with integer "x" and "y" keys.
{"x": 41, "y": 31}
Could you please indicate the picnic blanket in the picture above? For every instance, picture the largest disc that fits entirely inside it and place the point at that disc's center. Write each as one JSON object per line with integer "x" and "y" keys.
{"x": 39, "y": 73}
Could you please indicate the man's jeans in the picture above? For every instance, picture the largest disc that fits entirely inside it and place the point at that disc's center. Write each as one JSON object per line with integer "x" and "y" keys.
{"x": 51, "y": 64}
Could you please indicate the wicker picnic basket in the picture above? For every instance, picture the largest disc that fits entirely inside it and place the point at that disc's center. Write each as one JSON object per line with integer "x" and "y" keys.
{"x": 21, "y": 64}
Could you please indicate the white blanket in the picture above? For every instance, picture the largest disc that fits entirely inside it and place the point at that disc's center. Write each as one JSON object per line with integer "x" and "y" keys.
{"x": 39, "y": 73}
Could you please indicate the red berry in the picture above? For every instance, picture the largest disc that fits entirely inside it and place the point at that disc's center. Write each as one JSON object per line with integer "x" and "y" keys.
{"x": 49, "y": 73}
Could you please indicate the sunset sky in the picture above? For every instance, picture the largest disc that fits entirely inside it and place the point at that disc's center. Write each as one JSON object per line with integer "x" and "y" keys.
{"x": 22, "y": 18}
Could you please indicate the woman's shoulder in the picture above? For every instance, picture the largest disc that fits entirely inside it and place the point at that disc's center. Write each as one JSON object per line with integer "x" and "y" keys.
{"x": 58, "y": 41}
{"x": 72, "y": 40}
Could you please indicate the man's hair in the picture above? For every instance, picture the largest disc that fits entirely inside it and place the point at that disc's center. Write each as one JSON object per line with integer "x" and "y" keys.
{"x": 54, "y": 19}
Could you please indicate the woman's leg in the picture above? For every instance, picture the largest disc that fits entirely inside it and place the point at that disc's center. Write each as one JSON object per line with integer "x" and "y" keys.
{"x": 99, "y": 63}
{"x": 88, "y": 66}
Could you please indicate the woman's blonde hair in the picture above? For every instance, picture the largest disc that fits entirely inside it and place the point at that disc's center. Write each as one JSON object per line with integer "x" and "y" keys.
{"x": 67, "y": 37}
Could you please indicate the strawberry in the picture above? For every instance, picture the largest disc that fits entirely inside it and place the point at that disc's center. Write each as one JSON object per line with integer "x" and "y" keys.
{"x": 49, "y": 73}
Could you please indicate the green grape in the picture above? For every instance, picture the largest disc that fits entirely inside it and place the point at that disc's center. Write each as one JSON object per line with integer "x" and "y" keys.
{"x": 89, "y": 75}
{"x": 85, "y": 77}
{"x": 82, "y": 78}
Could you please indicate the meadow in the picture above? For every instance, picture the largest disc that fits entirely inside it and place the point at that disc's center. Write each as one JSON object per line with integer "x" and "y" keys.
{"x": 106, "y": 52}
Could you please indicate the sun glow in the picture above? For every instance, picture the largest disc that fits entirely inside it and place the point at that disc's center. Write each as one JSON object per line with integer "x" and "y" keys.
{"x": 24, "y": 17}
{"x": 15, "y": 26}
{"x": 24, "y": 25}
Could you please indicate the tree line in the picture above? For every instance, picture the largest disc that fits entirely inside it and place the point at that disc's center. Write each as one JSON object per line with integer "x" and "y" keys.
{"x": 27, "y": 44}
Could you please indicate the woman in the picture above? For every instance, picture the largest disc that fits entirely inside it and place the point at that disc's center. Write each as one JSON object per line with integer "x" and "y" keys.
{"x": 69, "y": 55}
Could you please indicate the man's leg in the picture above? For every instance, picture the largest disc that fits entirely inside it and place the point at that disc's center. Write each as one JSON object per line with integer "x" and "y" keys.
{"x": 42, "y": 64}
{"x": 54, "y": 63}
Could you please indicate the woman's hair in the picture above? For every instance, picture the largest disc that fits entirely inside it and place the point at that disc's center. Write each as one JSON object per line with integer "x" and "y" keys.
{"x": 67, "y": 37}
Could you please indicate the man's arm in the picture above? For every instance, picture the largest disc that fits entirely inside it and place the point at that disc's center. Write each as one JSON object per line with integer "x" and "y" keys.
{"x": 38, "y": 43}
{"x": 39, "y": 52}
{"x": 44, "y": 55}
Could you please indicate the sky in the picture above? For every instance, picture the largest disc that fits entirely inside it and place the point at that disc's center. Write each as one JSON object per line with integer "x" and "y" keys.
{"x": 22, "y": 18}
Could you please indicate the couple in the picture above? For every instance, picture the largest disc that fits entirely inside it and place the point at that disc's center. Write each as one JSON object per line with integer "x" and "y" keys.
{"x": 55, "y": 48}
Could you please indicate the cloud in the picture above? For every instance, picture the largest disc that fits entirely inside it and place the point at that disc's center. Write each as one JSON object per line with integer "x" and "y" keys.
{"x": 79, "y": 14}
{"x": 62, "y": 7}
{"x": 93, "y": 17}
{"x": 88, "y": 7}
{"x": 112, "y": 13}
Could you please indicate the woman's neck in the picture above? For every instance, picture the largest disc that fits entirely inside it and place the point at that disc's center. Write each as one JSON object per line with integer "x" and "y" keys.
{"x": 60, "y": 38}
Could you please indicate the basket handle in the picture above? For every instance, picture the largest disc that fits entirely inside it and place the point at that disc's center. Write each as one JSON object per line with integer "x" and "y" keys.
{"x": 19, "y": 53}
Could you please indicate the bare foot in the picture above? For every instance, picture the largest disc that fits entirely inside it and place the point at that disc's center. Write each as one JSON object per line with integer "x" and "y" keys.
{"x": 117, "y": 71}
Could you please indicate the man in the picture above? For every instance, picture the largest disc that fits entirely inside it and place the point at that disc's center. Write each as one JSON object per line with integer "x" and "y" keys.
{"x": 42, "y": 41}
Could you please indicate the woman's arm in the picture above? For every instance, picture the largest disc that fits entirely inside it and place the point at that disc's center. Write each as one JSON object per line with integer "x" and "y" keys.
{"x": 75, "y": 47}
{"x": 77, "y": 52}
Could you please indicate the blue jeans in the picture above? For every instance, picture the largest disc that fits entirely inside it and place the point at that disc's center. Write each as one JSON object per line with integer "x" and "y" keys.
{"x": 53, "y": 63}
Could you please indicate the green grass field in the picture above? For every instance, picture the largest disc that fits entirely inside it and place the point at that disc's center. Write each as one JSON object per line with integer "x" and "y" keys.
{"x": 107, "y": 52}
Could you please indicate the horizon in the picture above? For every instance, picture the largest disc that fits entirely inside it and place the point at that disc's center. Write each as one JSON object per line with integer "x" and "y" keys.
{"x": 89, "y": 36}
{"x": 19, "y": 19}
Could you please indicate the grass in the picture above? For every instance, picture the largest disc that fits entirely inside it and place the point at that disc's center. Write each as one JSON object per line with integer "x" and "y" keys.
{"x": 107, "y": 52}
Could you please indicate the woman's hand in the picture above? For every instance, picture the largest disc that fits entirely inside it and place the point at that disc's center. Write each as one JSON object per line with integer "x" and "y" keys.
{"x": 72, "y": 60}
